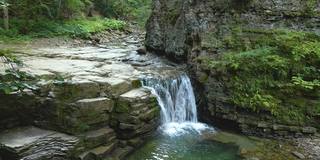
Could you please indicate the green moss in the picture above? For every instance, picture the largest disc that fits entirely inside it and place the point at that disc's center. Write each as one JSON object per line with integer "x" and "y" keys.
{"x": 203, "y": 77}
{"x": 136, "y": 84}
{"x": 209, "y": 40}
{"x": 310, "y": 7}
{"x": 153, "y": 103}
{"x": 122, "y": 107}
{"x": 172, "y": 13}
{"x": 151, "y": 114}
{"x": 270, "y": 150}
{"x": 269, "y": 70}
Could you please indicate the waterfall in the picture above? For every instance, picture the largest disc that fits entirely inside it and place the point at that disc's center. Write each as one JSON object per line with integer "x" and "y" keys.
{"x": 177, "y": 101}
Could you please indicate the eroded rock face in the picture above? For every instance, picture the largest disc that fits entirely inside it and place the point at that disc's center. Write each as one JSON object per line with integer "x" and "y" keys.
{"x": 186, "y": 30}
{"x": 177, "y": 26}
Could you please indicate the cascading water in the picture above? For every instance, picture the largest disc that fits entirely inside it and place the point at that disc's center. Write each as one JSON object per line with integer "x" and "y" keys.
{"x": 177, "y": 101}
{"x": 183, "y": 137}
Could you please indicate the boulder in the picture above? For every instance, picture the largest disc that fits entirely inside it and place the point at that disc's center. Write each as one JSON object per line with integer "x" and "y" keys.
{"x": 142, "y": 50}
{"x": 298, "y": 155}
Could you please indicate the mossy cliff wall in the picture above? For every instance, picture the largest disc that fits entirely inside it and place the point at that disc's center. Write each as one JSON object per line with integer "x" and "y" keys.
{"x": 256, "y": 62}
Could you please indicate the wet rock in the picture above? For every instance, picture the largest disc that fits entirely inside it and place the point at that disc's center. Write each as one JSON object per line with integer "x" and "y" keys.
{"x": 88, "y": 156}
{"x": 136, "y": 142}
{"x": 98, "y": 153}
{"x": 126, "y": 118}
{"x": 125, "y": 126}
{"x": 294, "y": 129}
{"x": 310, "y": 146}
{"x": 298, "y": 155}
{"x": 125, "y": 100}
{"x": 151, "y": 114}
{"x": 279, "y": 127}
{"x": 263, "y": 125}
{"x": 120, "y": 153}
{"x": 309, "y": 130}
{"x": 142, "y": 51}
{"x": 98, "y": 137}
{"x": 123, "y": 143}
{"x": 253, "y": 158}
{"x": 135, "y": 114}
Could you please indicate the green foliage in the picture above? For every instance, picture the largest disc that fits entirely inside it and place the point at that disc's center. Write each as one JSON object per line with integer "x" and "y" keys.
{"x": 43, "y": 18}
{"x": 9, "y": 57}
{"x": 309, "y": 51}
{"x": 53, "y": 9}
{"x": 269, "y": 70}
{"x": 75, "y": 28}
{"x": 310, "y": 6}
{"x": 137, "y": 10}
{"x": 308, "y": 85}
{"x": 13, "y": 80}
{"x": 3, "y": 3}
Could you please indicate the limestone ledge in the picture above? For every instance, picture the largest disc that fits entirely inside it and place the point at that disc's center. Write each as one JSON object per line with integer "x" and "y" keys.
{"x": 97, "y": 127}
{"x": 88, "y": 105}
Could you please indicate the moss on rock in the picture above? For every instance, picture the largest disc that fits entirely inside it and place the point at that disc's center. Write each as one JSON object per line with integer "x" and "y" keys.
{"x": 275, "y": 71}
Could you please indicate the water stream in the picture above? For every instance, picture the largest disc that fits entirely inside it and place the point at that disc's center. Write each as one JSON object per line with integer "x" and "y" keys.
{"x": 180, "y": 136}
{"x": 178, "y": 106}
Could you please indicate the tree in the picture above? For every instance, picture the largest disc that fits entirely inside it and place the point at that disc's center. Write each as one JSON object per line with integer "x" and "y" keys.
{"x": 5, "y": 5}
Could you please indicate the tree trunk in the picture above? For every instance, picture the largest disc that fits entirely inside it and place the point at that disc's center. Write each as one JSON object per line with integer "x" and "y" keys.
{"x": 6, "y": 17}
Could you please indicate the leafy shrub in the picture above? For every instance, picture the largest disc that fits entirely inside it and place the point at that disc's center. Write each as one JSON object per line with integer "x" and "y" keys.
{"x": 308, "y": 85}
{"x": 76, "y": 28}
{"x": 274, "y": 69}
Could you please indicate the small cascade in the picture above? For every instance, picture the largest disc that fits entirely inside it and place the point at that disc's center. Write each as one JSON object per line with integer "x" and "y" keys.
{"x": 177, "y": 101}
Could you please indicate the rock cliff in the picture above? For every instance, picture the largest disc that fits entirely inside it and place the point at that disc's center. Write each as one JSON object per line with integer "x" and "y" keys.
{"x": 176, "y": 26}
{"x": 202, "y": 32}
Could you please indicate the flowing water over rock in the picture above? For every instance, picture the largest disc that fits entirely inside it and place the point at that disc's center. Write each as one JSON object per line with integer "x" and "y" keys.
{"x": 176, "y": 99}
{"x": 181, "y": 134}
{"x": 178, "y": 106}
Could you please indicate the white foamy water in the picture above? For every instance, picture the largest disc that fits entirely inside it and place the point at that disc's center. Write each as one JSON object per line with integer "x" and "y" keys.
{"x": 176, "y": 129}
{"x": 178, "y": 107}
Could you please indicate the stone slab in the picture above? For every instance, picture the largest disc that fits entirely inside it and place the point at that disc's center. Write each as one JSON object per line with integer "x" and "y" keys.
{"x": 140, "y": 93}
{"x": 101, "y": 104}
{"x": 32, "y": 143}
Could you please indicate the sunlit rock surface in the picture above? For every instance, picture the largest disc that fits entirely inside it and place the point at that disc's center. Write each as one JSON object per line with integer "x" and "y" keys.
{"x": 90, "y": 96}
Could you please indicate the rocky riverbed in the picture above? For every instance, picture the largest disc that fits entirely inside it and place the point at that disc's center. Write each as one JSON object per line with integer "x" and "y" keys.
{"x": 87, "y": 103}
